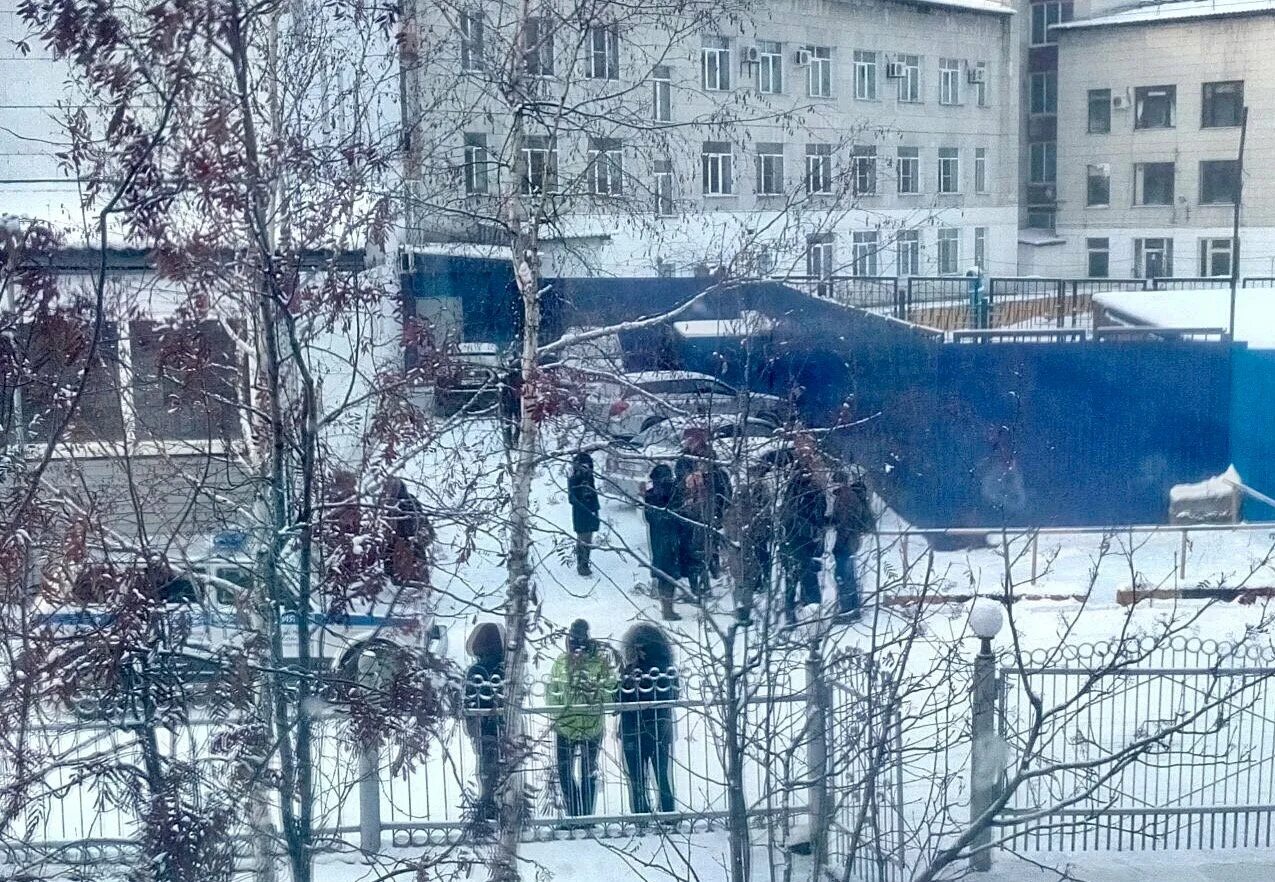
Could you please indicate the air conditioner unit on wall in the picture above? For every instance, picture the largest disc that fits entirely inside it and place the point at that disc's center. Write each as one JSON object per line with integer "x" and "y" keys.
{"x": 1119, "y": 102}
{"x": 977, "y": 74}
{"x": 894, "y": 70}
{"x": 802, "y": 58}
{"x": 751, "y": 55}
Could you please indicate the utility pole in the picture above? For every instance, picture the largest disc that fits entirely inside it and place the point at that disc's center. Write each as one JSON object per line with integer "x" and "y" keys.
{"x": 1235, "y": 218}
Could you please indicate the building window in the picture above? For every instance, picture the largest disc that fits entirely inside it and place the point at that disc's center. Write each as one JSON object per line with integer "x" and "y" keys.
{"x": 980, "y": 83}
{"x": 949, "y": 170}
{"x": 1219, "y": 182}
{"x": 865, "y": 75}
{"x": 949, "y": 251}
{"x": 819, "y": 72}
{"x": 471, "y": 40}
{"x": 1222, "y": 104}
{"x": 1041, "y": 217}
{"x": 864, "y": 253}
{"x": 1215, "y": 257}
{"x": 819, "y": 255}
{"x": 1044, "y": 17}
{"x": 606, "y": 167}
{"x": 604, "y": 52}
{"x": 1153, "y": 183}
{"x": 1099, "y": 262}
{"x": 909, "y": 170}
{"x": 770, "y": 169}
{"x": 949, "y": 81}
{"x": 715, "y": 164}
{"x": 1098, "y": 186}
{"x": 540, "y": 165}
{"x": 475, "y": 163}
{"x": 1153, "y": 258}
{"x": 663, "y": 187}
{"x": 818, "y": 168}
{"x": 1155, "y": 107}
{"x": 1042, "y": 161}
{"x": 865, "y": 170}
{"x": 980, "y": 170}
{"x": 715, "y": 64}
{"x": 537, "y": 51}
{"x": 910, "y": 81}
{"x": 980, "y": 248}
{"x": 1099, "y": 111}
{"x": 1044, "y": 92}
{"x": 908, "y": 253}
{"x": 770, "y": 67}
{"x": 662, "y": 95}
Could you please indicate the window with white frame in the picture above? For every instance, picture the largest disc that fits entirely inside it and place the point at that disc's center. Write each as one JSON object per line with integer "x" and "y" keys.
{"x": 1216, "y": 257}
{"x": 1098, "y": 258}
{"x": 1098, "y": 185}
{"x": 540, "y": 165}
{"x": 910, "y": 82}
{"x": 770, "y": 67}
{"x": 1222, "y": 104}
{"x": 470, "y": 26}
{"x": 715, "y": 167}
{"x": 770, "y": 169}
{"x": 715, "y": 64}
{"x": 864, "y": 247}
{"x": 865, "y": 75}
{"x": 907, "y": 249}
{"x": 1042, "y": 162}
{"x": 980, "y": 84}
{"x": 604, "y": 52}
{"x": 537, "y": 53}
{"x": 949, "y": 251}
{"x": 908, "y": 170}
{"x": 820, "y": 256}
{"x": 980, "y": 170}
{"x": 949, "y": 170}
{"x": 476, "y": 163}
{"x": 663, "y": 187}
{"x": 1043, "y": 18}
{"x": 818, "y": 168}
{"x": 949, "y": 81}
{"x": 864, "y": 170}
{"x": 606, "y": 167}
{"x": 1044, "y": 92}
{"x": 661, "y": 94}
{"x": 1153, "y": 258}
{"x": 1155, "y": 107}
{"x": 980, "y": 248}
{"x": 819, "y": 72}
{"x": 1153, "y": 183}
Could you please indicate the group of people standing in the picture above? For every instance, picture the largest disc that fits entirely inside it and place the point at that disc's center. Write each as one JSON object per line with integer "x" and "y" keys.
{"x": 583, "y": 679}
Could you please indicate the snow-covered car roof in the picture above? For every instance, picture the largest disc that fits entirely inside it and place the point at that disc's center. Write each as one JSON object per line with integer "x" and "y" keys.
{"x": 655, "y": 376}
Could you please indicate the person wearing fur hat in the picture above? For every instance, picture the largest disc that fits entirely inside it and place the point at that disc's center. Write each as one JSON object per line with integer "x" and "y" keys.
{"x": 483, "y": 700}
{"x": 646, "y": 733}
{"x": 581, "y": 680}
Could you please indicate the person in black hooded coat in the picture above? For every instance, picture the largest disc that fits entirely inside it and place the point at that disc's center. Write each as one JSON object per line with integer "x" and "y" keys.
{"x": 485, "y": 691}
{"x": 646, "y": 733}
{"x": 582, "y": 493}
{"x": 663, "y": 537}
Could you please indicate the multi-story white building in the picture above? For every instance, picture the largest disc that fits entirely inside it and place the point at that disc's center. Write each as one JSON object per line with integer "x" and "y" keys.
{"x": 817, "y": 137}
{"x": 1150, "y": 100}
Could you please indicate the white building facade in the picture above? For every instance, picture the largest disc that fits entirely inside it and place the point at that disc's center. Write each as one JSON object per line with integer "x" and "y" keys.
{"x": 819, "y": 137}
{"x": 1150, "y": 104}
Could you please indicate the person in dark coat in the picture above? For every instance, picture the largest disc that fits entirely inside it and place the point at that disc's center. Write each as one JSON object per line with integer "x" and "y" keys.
{"x": 583, "y": 495}
{"x": 662, "y": 534}
{"x": 692, "y": 503}
{"x": 646, "y": 734}
{"x": 802, "y": 520}
{"x": 749, "y": 529}
{"x": 485, "y": 692}
{"x": 851, "y": 519}
{"x": 511, "y": 404}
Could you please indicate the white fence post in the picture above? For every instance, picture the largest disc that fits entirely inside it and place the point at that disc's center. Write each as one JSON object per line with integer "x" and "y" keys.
{"x": 369, "y": 799}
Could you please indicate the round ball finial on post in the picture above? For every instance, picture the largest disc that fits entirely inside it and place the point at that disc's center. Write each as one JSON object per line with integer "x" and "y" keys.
{"x": 986, "y": 619}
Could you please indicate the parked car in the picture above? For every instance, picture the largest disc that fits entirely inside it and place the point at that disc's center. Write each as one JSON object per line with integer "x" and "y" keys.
{"x": 646, "y": 397}
{"x": 758, "y": 442}
{"x": 468, "y": 378}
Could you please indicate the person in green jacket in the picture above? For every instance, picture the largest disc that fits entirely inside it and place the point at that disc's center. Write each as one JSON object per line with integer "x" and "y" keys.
{"x": 582, "y": 679}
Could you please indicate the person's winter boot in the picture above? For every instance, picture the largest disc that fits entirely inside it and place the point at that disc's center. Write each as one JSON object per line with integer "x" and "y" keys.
{"x": 666, "y": 610}
{"x": 582, "y": 561}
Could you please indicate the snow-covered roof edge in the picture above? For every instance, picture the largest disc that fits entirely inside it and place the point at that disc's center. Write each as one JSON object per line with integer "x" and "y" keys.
{"x": 1172, "y": 11}
{"x": 992, "y": 7}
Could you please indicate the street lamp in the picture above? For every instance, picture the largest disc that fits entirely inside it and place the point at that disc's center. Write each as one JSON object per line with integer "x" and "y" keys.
{"x": 985, "y": 621}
